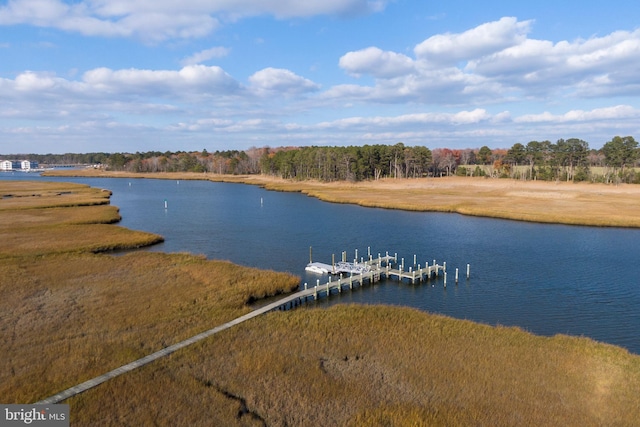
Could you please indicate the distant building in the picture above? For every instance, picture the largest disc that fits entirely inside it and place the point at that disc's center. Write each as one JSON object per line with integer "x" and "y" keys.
{"x": 27, "y": 165}
{"x": 12, "y": 165}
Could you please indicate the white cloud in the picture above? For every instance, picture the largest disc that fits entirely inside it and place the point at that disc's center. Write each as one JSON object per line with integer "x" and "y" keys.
{"x": 37, "y": 12}
{"x": 347, "y": 92}
{"x": 157, "y": 20}
{"x": 377, "y": 63}
{"x": 617, "y": 112}
{"x": 205, "y": 55}
{"x": 448, "y": 49}
{"x": 436, "y": 75}
{"x": 35, "y": 82}
{"x": 280, "y": 81}
{"x": 279, "y": 8}
{"x": 457, "y": 129}
{"x": 462, "y": 117}
{"x": 596, "y": 66}
{"x": 496, "y": 62}
{"x": 77, "y": 17}
{"x": 192, "y": 79}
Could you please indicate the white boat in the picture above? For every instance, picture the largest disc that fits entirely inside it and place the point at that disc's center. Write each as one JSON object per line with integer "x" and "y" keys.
{"x": 340, "y": 267}
{"x": 318, "y": 268}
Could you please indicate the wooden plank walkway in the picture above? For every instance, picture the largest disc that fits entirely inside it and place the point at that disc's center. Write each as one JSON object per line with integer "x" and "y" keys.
{"x": 380, "y": 266}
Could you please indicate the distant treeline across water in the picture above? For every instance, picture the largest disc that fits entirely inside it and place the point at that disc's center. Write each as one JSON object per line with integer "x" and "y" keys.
{"x": 566, "y": 160}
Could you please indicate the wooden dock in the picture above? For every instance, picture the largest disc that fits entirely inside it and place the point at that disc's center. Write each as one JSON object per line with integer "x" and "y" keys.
{"x": 377, "y": 268}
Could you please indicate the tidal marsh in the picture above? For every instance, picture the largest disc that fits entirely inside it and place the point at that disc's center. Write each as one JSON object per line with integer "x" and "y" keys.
{"x": 68, "y": 314}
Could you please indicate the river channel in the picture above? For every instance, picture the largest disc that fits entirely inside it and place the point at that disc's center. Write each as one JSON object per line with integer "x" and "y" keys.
{"x": 546, "y": 279}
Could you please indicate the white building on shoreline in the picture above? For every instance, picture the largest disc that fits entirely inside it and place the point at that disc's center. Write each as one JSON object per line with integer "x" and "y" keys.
{"x": 19, "y": 165}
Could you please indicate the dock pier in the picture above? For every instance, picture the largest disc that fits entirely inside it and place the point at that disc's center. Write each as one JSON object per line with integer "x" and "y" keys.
{"x": 347, "y": 275}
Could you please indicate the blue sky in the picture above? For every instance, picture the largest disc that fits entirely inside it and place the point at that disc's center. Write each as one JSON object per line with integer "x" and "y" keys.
{"x": 147, "y": 75}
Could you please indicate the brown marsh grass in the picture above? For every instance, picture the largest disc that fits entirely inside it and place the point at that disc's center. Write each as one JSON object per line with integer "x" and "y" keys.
{"x": 378, "y": 366}
{"x": 537, "y": 201}
{"x": 67, "y": 314}
{"x": 72, "y": 238}
{"x": 69, "y": 317}
{"x": 97, "y": 214}
{"x": 38, "y": 194}
{"x": 51, "y": 218}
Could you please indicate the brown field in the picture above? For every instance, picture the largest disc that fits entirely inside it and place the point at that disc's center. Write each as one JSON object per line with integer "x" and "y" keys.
{"x": 68, "y": 315}
{"x": 536, "y": 201}
{"x": 33, "y": 194}
{"x": 378, "y": 366}
{"x": 39, "y": 220}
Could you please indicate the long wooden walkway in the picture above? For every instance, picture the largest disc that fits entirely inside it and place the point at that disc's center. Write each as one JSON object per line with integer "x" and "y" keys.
{"x": 157, "y": 355}
{"x": 379, "y": 267}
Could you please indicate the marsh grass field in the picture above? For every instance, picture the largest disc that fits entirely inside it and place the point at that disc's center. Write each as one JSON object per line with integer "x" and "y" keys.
{"x": 383, "y": 366}
{"x": 70, "y": 312}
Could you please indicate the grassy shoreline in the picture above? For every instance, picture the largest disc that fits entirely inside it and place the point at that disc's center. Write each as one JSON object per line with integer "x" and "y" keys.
{"x": 71, "y": 311}
{"x": 586, "y": 204}
{"x": 68, "y": 314}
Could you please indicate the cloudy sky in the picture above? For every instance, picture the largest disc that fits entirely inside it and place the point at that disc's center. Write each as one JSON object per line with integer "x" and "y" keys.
{"x": 147, "y": 75}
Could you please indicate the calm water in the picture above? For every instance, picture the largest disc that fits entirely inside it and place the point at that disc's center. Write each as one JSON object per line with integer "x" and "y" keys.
{"x": 547, "y": 279}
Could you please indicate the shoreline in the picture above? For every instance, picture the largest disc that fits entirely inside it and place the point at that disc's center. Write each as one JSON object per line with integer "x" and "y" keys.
{"x": 582, "y": 204}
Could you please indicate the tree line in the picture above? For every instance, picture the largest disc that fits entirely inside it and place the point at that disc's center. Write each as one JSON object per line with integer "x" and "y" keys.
{"x": 567, "y": 160}
{"x": 570, "y": 160}
{"x": 221, "y": 162}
